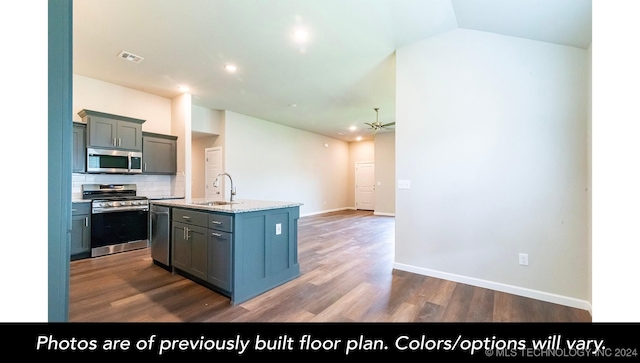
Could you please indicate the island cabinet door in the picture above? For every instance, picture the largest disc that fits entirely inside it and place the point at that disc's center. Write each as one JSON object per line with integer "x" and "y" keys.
{"x": 190, "y": 246}
{"x": 220, "y": 259}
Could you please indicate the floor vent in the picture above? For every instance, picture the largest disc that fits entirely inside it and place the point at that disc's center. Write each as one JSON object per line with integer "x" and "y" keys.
{"x": 131, "y": 57}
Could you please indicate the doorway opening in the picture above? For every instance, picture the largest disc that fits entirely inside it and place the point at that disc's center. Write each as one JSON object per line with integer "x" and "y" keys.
{"x": 213, "y": 167}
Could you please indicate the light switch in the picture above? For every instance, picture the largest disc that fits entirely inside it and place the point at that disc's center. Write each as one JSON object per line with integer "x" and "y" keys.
{"x": 278, "y": 228}
{"x": 404, "y": 184}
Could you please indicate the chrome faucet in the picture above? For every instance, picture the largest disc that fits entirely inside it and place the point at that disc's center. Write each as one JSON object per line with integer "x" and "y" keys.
{"x": 217, "y": 182}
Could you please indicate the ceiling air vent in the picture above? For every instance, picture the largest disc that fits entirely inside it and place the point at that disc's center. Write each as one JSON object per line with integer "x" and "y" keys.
{"x": 131, "y": 57}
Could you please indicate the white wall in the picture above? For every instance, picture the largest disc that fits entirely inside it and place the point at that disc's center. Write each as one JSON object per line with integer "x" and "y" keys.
{"x": 269, "y": 161}
{"x": 181, "y": 127}
{"x": 92, "y": 94}
{"x": 206, "y": 120}
{"x": 492, "y": 133}
{"x": 385, "y": 173}
{"x": 589, "y": 195}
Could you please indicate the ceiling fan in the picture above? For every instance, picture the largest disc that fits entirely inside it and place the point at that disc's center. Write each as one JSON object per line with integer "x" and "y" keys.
{"x": 379, "y": 125}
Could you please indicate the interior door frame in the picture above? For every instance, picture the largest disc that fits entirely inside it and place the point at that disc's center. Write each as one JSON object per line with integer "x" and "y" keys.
{"x": 206, "y": 170}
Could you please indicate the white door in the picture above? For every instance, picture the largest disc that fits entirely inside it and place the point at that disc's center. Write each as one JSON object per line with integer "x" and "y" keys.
{"x": 365, "y": 187}
{"x": 213, "y": 167}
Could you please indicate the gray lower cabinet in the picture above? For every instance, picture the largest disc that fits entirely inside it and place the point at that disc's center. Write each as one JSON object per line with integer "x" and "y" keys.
{"x": 190, "y": 243}
{"x": 220, "y": 259}
{"x": 80, "y": 230}
{"x": 240, "y": 255}
{"x": 200, "y": 251}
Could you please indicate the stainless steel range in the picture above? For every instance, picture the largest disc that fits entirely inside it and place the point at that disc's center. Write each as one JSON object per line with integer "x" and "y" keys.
{"x": 119, "y": 218}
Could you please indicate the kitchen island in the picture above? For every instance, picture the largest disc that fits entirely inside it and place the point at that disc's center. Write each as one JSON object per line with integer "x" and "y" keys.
{"x": 240, "y": 249}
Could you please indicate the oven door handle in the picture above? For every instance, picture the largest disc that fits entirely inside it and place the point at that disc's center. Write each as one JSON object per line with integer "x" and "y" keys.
{"x": 121, "y": 209}
{"x": 129, "y": 162}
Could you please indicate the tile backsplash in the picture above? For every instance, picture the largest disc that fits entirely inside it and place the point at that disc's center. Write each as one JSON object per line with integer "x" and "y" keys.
{"x": 150, "y": 186}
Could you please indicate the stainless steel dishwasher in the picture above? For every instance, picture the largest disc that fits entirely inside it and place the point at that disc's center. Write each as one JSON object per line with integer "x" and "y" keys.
{"x": 159, "y": 232}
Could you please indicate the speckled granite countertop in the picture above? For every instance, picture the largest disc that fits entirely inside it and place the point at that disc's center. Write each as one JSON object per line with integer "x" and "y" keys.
{"x": 242, "y": 206}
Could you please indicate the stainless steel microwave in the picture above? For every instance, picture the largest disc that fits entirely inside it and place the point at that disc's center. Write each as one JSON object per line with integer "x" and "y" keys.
{"x": 114, "y": 161}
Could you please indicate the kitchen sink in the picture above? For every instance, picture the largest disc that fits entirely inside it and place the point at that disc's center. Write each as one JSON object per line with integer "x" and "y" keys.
{"x": 216, "y": 202}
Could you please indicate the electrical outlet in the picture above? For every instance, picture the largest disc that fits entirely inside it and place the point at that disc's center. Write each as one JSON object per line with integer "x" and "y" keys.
{"x": 524, "y": 259}
{"x": 404, "y": 184}
{"x": 278, "y": 228}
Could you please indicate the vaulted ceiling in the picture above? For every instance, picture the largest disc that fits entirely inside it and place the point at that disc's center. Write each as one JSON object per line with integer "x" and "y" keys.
{"x": 326, "y": 84}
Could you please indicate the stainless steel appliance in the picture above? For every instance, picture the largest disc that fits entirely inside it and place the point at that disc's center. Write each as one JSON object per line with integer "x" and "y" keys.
{"x": 159, "y": 229}
{"x": 119, "y": 218}
{"x": 114, "y": 161}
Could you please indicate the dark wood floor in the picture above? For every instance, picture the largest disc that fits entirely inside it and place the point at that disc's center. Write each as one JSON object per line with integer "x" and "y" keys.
{"x": 347, "y": 275}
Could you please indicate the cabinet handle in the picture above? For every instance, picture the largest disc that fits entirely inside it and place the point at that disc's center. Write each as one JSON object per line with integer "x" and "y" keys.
{"x": 86, "y": 221}
{"x": 119, "y": 142}
{"x": 114, "y": 141}
{"x": 184, "y": 233}
{"x": 216, "y": 234}
{"x": 73, "y": 210}
{"x": 186, "y": 217}
{"x": 216, "y": 222}
{"x": 188, "y": 230}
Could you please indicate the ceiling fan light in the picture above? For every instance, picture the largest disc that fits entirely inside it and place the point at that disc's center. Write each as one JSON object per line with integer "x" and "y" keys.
{"x": 376, "y": 126}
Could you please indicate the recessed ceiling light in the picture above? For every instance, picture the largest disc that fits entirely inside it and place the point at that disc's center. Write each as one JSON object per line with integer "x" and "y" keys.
{"x": 359, "y": 138}
{"x": 183, "y": 88}
{"x": 300, "y": 35}
{"x": 293, "y": 105}
{"x": 230, "y": 68}
{"x": 352, "y": 128}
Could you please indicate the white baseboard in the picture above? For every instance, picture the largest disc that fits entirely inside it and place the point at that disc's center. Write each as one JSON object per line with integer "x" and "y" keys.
{"x": 345, "y": 208}
{"x": 324, "y": 211}
{"x": 516, "y": 290}
{"x": 384, "y": 214}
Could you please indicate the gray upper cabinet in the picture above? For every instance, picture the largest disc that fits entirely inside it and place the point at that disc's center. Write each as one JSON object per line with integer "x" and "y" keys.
{"x": 79, "y": 147}
{"x": 159, "y": 153}
{"x": 112, "y": 131}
